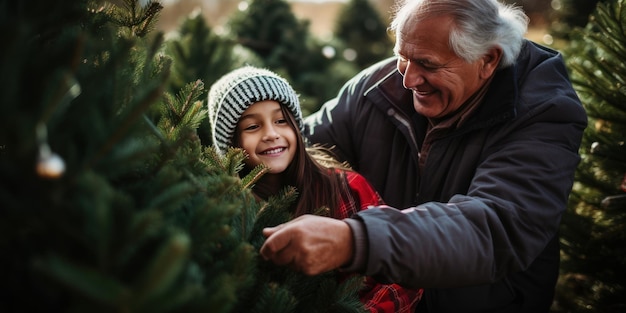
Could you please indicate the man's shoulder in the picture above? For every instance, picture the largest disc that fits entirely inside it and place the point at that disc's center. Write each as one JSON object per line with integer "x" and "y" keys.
{"x": 376, "y": 72}
{"x": 381, "y": 67}
{"x": 534, "y": 55}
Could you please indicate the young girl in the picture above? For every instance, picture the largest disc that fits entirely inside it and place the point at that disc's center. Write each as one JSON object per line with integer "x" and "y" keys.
{"x": 258, "y": 111}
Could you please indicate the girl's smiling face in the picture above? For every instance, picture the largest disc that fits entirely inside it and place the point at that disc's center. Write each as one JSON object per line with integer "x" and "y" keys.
{"x": 267, "y": 137}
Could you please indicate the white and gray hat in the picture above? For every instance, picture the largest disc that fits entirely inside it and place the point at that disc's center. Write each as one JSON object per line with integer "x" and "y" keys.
{"x": 234, "y": 92}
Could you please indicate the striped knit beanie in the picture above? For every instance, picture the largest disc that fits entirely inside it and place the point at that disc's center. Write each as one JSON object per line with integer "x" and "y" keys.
{"x": 234, "y": 92}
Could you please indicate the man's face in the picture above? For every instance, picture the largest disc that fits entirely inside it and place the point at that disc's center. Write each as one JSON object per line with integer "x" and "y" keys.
{"x": 440, "y": 80}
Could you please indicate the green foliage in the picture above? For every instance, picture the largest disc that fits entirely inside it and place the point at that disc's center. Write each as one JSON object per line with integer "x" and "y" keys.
{"x": 281, "y": 289}
{"x": 284, "y": 44}
{"x": 272, "y": 31}
{"x": 199, "y": 54}
{"x": 594, "y": 227}
{"x": 184, "y": 110}
{"x": 132, "y": 16}
{"x": 323, "y": 79}
{"x": 110, "y": 202}
{"x": 362, "y": 30}
{"x": 125, "y": 225}
{"x": 570, "y": 14}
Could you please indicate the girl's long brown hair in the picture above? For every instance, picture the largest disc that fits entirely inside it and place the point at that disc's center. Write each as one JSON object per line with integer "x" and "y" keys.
{"x": 312, "y": 172}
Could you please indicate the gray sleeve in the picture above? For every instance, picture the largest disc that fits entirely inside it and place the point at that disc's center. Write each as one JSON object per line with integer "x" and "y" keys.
{"x": 433, "y": 245}
{"x": 357, "y": 264}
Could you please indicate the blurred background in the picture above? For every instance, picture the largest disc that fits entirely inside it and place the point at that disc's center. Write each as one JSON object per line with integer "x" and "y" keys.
{"x": 305, "y": 40}
{"x": 322, "y": 14}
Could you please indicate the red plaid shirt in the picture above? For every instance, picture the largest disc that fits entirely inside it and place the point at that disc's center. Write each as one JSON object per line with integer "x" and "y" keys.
{"x": 377, "y": 298}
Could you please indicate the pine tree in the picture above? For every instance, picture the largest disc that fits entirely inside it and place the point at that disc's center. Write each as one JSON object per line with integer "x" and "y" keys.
{"x": 198, "y": 53}
{"x": 270, "y": 28}
{"x": 594, "y": 228}
{"x": 109, "y": 201}
{"x": 363, "y": 32}
{"x": 284, "y": 44}
{"x": 102, "y": 210}
{"x": 569, "y": 14}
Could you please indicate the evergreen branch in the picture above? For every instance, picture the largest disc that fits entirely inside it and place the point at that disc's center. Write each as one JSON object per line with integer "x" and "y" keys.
{"x": 171, "y": 149}
{"x": 185, "y": 98}
{"x": 183, "y": 111}
{"x": 126, "y": 125}
{"x": 91, "y": 283}
{"x": 55, "y": 103}
{"x": 164, "y": 269}
{"x": 276, "y": 297}
{"x": 138, "y": 110}
{"x": 234, "y": 160}
{"x": 192, "y": 110}
{"x": 155, "y": 46}
{"x": 132, "y": 159}
{"x": 139, "y": 20}
{"x": 169, "y": 111}
{"x": 149, "y": 18}
{"x": 288, "y": 195}
{"x": 274, "y": 211}
{"x": 247, "y": 214}
{"x": 212, "y": 159}
{"x": 323, "y": 211}
{"x": 172, "y": 196}
{"x": 251, "y": 178}
{"x": 155, "y": 130}
{"x": 230, "y": 163}
{"x": 348, "y": 294}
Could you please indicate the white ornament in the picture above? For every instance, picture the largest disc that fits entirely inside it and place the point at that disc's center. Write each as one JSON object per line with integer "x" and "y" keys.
{"x": 50, "y": 165}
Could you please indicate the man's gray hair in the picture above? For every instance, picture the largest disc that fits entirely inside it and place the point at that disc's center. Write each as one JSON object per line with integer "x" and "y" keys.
{"x": 479, "y": 25}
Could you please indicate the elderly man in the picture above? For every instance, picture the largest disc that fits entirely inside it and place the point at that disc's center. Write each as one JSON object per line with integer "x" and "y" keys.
{"x": 475, "y": 132}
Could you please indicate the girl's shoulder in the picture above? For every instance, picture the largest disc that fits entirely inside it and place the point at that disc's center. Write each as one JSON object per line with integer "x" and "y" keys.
{"x": 361, "y": 188}
{"x": 354, "y": 178}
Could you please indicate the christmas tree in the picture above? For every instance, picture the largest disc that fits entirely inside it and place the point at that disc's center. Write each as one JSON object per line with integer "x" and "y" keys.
{"x": 198, "y": 53}
{"x": 364, "y": 33}
{"x": 109, "y": 200}
{"x": 594, "y": 228}
{"x": 570, "y": 14}
{"x": 285, "y": 45}
{"x": 274, "y": 33}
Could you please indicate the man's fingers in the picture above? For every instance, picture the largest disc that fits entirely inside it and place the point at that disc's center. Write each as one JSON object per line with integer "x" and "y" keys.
{"x": 274, "y": 244}
{"x": 310, "y": 244}
{"x": 284, "y": 257}
{"x": 268, "y": 231}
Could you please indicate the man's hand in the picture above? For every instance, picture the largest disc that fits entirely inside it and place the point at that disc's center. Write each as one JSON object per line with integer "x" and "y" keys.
{"x": 310, "y": 244}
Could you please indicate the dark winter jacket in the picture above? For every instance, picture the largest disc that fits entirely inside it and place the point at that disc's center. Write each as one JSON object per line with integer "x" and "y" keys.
{"x": 482, "y": 236}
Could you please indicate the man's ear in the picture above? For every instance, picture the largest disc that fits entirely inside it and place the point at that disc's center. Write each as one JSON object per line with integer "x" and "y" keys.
{"x": 490, "y": 62}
